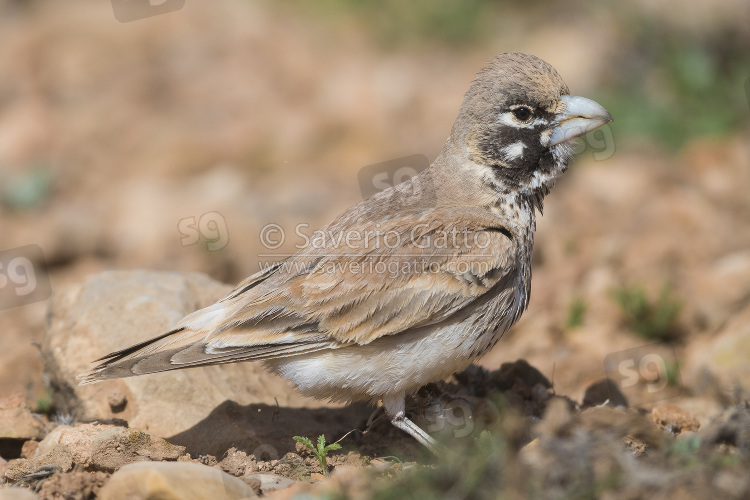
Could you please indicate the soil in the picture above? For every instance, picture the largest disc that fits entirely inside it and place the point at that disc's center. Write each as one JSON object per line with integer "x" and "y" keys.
{"x": 514, "y": 405}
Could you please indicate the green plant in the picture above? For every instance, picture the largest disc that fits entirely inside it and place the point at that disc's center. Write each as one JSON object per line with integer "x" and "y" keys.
{"x": 27, "y": 190}
{"x": 698, "y": 81}
{"x": 470, "y": 468}
{"x": 44, "y": 403}
{"x": 673, "y": 374}
{"x": 653, "y": 320}
{"x": 321, "y": 452}
{"x": 394, "y": 24}
{"x": 685, "y": 451}
{"x": 576, "y": 313}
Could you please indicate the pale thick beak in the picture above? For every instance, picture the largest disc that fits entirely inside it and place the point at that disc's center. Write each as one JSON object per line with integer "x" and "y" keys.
{"x": 579, "y": 117}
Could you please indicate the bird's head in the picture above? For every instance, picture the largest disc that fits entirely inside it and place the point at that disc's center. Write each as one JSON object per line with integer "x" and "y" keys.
{"x": 517, "y": 122}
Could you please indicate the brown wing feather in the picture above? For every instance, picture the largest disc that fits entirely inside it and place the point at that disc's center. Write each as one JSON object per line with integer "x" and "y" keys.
{"x": 345, "y": 296}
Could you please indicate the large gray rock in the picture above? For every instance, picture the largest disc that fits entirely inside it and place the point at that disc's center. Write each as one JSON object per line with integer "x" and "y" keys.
{"x": 207, "y": 409}
{"x": 174, "y": 481}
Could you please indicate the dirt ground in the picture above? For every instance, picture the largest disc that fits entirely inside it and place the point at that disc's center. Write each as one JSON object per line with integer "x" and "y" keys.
{"x": 171, "y": 143}
{"x": 505, "y": 431}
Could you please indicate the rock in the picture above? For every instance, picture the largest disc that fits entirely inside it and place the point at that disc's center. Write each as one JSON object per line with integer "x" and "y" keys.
{"x": 674, "y": 418}
{"x": 117, "y": 401}
{"x": 270, "y": 482}
{"x": 302, "y": 450}
{"x": 17, "y": 421}
{"x": 235, "y": 462}
{"x": 380, "y": 465}
{"x": 174, "y": 481}
{"x": 558, "y": 419}
{"x": 75, "y": 485}
{"x": 731, "y": 427}
{"x": 29, "y": 449}
{"x": 350, "y": 482}
{"x": 254, "y": 484}
{"x": 15, "y": 493}
{"x": 604, "y": 391}
{"x": 725, "y": 354}
{"x": 93, "y": 446}
{"x": 72, "y": 442}
{"x": 621, "y": 423}
{"x": 116, "y": 446}
{"x": 60, "y": 459}
{"x": 116, "y": 309}
{"x": 518, "y": 372}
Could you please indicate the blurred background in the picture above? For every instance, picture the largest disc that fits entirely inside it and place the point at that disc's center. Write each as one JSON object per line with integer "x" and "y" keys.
{"x": 116, "y": 137}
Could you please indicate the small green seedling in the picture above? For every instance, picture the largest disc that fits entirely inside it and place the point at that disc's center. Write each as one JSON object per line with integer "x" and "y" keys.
{"x": 651, "y": 319}
{"x": 321, "y": 452}
{"x": 576, "y": 313}
{"x": 44, "y": 403}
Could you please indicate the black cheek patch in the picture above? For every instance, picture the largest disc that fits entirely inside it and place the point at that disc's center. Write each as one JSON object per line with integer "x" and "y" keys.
{"x": 516, "y": 172}
{"x": 547, "y": 162}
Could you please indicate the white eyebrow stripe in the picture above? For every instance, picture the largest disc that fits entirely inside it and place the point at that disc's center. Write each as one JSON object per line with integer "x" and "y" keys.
{"x": 507, "y": 119}
{"x": 513, "y": 151}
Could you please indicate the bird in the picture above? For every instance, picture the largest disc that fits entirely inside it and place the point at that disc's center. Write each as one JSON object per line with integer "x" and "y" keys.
{"x": 415, "y": 282}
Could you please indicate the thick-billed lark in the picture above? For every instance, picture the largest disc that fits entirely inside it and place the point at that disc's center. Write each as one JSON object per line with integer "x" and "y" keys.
{"x": 415, "y": 282}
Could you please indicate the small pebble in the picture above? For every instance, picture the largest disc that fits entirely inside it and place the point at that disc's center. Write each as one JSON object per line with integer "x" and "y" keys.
{"x": 117, "y": 401}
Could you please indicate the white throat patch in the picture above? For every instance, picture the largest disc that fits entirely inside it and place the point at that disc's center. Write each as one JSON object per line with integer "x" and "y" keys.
{"x": 513, "y": 151}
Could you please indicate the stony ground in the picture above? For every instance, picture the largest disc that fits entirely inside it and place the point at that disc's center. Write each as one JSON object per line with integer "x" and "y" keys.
{"x": 502, "y": 431}
{"x": 117, "y": 139}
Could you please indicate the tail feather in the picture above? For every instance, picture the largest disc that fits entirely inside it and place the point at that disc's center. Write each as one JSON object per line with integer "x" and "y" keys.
{"x": 191, "y": 344}
{"x": 184, "y": 348}
{"x": 135, "y": 348}
{"x": 150, "y": 356}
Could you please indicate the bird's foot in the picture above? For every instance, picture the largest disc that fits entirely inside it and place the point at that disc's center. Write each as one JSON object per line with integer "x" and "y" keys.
{"x": 409, "y": 427}
{"x": 394, "y": 407}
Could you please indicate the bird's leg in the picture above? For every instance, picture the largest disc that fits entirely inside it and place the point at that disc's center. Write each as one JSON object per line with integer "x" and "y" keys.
{"x": 394, "y": 408}
{"x": 374, "y": 417}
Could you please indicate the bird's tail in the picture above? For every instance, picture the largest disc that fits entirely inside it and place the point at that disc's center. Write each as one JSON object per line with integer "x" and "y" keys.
{"x": 158, "y": 354}
{"x": 150, "y": 356}
{"x": 192, "y": 343}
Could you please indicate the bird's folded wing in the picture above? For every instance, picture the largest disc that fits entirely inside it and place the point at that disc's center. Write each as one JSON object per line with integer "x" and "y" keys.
{"x": 359, "y": 291}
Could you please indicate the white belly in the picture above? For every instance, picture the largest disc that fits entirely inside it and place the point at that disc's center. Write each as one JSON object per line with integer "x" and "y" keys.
{"x": 401, "y": 363}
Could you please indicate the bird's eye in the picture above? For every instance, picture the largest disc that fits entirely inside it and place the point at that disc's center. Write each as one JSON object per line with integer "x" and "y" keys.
{"x": 522, "y": 113}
